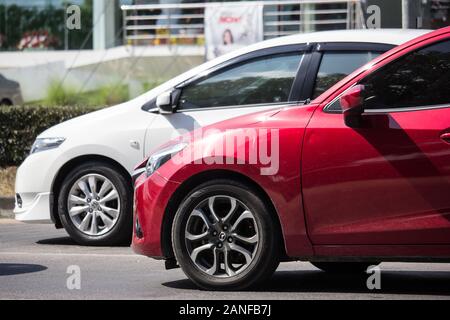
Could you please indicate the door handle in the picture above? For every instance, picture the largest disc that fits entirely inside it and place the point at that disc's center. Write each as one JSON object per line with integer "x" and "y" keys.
{"x": 446, "y": 137}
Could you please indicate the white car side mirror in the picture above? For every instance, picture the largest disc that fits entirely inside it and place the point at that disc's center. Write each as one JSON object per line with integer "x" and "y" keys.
{"x": 166, "y": 102}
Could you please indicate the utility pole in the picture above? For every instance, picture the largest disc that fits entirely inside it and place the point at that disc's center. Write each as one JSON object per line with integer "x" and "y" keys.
{"x": 66, "y": 30}
{"x": 6, "y": 22}
{"x": 405, "y": 14}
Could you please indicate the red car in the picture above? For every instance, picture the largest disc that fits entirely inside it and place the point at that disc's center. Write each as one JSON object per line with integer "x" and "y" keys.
{"x": 358, "y": 176}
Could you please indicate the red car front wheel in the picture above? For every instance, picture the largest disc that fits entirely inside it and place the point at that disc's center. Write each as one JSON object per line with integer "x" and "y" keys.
{"x": 224, "y": 237}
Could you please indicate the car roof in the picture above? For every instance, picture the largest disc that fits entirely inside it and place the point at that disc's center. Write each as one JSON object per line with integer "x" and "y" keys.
{"x": 388, "y": 36}
{"x": 384, "y": 36}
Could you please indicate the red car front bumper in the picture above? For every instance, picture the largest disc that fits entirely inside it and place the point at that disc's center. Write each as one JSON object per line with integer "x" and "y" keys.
{"x": 151, "y": 197}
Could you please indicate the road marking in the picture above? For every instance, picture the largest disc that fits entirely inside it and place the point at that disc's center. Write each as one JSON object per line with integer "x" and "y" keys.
{"x": 94, "y": 255}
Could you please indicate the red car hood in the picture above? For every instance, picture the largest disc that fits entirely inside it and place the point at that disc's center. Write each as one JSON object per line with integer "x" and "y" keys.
{"x": 241, "y": 122}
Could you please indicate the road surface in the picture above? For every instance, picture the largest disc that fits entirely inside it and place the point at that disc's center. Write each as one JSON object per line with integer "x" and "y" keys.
{"x": 35, "y": 260}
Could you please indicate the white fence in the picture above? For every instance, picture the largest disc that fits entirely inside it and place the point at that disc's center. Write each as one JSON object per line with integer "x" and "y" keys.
{"x": 183, "y": 24}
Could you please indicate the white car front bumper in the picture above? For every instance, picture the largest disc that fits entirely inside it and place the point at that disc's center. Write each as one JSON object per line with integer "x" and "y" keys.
{"x": 33, "y": 187}
{"x": 35, "y": 207}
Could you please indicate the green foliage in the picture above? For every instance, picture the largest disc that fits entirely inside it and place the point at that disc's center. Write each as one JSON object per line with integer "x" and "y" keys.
{"x": 107, "y": 95}
{"x": 149, "y": 85}
{"x": 58, "y": 95}
{"x": 19, "y": 126}
{"x": 63, "y": 95}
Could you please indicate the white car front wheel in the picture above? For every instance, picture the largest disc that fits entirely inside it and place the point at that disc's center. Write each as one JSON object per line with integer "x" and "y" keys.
{"x": 95, "y": 205}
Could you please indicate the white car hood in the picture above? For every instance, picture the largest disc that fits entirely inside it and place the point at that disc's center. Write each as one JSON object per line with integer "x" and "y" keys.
{"x": 96, "y": 118}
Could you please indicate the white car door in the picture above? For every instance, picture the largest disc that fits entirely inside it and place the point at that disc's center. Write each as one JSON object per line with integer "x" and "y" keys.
{"x": 255, "y": 84}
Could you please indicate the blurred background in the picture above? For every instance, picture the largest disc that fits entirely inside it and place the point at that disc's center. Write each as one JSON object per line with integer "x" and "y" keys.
{"x": 123, "y": 48}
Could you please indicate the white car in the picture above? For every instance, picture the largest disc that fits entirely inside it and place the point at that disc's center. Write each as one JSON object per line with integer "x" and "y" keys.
{"x": 78, "y": 174}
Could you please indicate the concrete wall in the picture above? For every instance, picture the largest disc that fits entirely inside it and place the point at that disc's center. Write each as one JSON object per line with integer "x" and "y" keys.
{"x": 87, "y": 70}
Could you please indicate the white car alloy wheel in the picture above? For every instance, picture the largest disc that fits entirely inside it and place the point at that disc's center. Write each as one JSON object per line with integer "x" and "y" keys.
{"x": 221, "y": 236}
{"x": 93, "y": 204}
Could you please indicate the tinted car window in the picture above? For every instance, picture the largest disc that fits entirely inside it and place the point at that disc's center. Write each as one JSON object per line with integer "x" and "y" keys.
{"x": 263, "y": 80}
{"x": 335, "y": 66}
{"x": 421, "y": 78}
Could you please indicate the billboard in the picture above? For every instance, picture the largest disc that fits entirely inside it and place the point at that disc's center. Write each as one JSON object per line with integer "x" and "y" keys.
{"x": 229, "y": 26}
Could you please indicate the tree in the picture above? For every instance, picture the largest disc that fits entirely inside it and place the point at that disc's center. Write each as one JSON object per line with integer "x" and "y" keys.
{"x": 17, "y": 21}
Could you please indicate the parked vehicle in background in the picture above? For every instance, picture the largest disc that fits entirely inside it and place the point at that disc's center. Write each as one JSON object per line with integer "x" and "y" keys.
{"x": 363, "y": 177}
{"x": 78, "y": 173}
{"x": 10, "y": 93}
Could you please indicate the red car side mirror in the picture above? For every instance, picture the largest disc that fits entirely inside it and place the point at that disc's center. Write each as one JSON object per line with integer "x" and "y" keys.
{"x": 351, "y": 103}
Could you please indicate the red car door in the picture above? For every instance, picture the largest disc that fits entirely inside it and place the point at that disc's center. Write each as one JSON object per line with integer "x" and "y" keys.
{"x": 388, "y": 180}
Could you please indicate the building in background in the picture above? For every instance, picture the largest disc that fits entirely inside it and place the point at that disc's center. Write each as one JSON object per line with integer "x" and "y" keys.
{"x": 421, "y": 14}
{"x": 40, "y": 24}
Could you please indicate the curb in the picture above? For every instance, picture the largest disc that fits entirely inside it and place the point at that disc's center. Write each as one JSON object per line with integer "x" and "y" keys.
{"x": 6, "y": 207}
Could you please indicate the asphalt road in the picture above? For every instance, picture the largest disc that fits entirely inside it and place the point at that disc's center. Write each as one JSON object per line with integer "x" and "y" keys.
{"x": 34, "y": 260}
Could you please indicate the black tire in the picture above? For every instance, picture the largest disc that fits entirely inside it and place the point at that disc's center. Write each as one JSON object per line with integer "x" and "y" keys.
{"x": 266, "y": 255}
{"x": 6, "y": 102}
{"x": 343, "y": 267}
{"x": 121, "y": 232}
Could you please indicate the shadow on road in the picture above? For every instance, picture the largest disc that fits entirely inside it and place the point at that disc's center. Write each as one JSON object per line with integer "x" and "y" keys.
{"x": 9, "y": 269}
{"x": 67, "y": 241}
{"x": 392, "y": 282}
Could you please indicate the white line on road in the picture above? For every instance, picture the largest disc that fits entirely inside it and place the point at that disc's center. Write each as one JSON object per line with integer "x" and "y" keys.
{"x": 94, "y": 255}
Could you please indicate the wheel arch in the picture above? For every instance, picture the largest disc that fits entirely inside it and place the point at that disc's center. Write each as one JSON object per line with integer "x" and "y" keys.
{"x": 66, "y": 168}
{"x": 186, "y": 187}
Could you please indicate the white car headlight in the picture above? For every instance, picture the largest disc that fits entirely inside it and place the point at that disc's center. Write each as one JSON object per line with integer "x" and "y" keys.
{"x": 42, "y": 144}
{"x": 160, "y": 157}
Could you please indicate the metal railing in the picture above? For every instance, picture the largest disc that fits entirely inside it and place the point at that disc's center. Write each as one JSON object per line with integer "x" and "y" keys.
{"x": 183, "y": 23}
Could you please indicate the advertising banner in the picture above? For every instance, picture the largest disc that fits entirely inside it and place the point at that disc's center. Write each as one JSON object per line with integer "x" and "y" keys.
{"x": 231, "y": 26}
